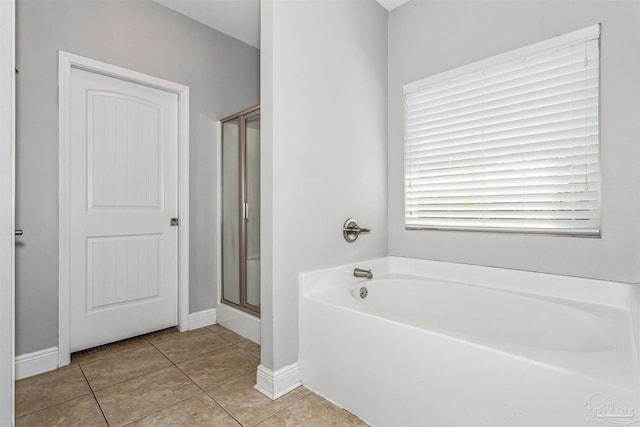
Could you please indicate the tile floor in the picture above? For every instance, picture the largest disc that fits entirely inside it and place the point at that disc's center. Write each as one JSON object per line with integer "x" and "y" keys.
{"x": 203, "y": 377}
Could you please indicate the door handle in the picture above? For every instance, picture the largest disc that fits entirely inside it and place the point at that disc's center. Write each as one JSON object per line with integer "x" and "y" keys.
{"x": 19, "y": 232}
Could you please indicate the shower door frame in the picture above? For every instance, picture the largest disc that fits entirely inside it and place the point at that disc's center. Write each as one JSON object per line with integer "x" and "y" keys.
{"x": 242, "y": 117}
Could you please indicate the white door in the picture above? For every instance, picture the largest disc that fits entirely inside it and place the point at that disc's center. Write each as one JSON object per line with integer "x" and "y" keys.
{"x": 123, "y": 250}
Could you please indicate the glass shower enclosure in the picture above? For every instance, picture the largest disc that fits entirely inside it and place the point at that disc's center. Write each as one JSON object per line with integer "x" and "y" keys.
{"x": 240, "y": 232}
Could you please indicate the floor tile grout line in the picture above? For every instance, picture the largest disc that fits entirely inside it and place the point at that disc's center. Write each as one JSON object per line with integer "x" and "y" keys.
{"x": 276, "y": 413}
{"x": 213, "y": 386}
{"x": 94, "y": 396}
{"x": 171, "y": 363}
{"x": 229, "y": 412}
{"x": 304, "y": 396}
{"x": 223, "y": 408}
{"x": 261, "y": 420}
{"x": 201, "y": 390}
{"x": 55, "y": 404}
{"x": 130, "y": 378}
{"x": 211, "y": 397}
{"x": 193, "y": 357}
{"x": 179, "y": 334}
{"x": 163, "y": 367}
{"x": 225, "y": 382}
{"x": 204, "y": 328}
{"x": 189, "y": 377}
{"x": 163, "y": 355}
{"x": 193, "y": 380}
{"x": 247, "y": 351}
{"x": 60, "y": 402}
{"x": 165, "y": 407}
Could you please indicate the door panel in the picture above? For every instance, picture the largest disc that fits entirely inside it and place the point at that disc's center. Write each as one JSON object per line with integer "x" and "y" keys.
{"x": 124, "y": 148}
{"x": 231, "y": 211}
{"x": 123, "y": 167}
{"x": 132, "y": 263}
{"x": 252, "y": 159}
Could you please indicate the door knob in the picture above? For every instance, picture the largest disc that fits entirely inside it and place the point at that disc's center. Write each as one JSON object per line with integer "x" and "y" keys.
{"x": 19, "y": 232}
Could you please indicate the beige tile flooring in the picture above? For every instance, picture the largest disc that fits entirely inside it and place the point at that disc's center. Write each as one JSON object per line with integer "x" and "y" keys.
{"x": 203, "y": 377}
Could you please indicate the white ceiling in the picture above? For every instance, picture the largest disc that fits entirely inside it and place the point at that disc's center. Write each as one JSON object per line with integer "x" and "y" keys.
{"x": 239, "y": 19}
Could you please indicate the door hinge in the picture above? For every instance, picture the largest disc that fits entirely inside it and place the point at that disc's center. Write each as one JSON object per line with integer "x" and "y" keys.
{"x": 175, "y": 222}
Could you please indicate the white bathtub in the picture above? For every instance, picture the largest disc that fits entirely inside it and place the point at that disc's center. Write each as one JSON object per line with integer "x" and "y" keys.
{"x": 440, "y": 344}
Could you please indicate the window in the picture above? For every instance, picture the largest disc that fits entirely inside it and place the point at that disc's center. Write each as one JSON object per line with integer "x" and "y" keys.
{"x": 510, "y": 143}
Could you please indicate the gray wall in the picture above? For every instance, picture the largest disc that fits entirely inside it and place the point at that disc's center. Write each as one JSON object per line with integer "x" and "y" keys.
{"x": 429, "y": 37}
{"x": 324, "y": 129}
{"x": 223, "y": 75}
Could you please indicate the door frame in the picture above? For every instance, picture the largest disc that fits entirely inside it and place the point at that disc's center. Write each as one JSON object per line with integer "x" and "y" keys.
{"x": 67, "y": 61}
{"x": 7, "y": 211}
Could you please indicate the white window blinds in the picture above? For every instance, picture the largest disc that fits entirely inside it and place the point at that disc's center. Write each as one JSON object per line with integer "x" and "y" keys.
{"x": 509, "y": 143}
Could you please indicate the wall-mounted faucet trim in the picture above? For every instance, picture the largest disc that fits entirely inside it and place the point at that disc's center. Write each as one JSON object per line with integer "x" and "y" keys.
{"x": 361, "y": 272}
{"x": 351, "y": 230}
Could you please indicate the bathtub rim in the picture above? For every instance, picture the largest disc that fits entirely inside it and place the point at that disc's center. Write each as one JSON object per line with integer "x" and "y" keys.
{"x": 594, "y": 291}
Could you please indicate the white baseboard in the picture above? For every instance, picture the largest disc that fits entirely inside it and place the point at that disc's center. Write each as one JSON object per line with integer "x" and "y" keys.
{"x": 30, "y": 364}
{"x": 46, "y": 360}
{"x": 239, "y": 322}
{"x": 274, "y": 384}
{"x": 202, "y": 318}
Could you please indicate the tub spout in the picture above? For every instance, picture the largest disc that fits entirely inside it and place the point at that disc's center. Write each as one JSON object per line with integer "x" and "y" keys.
{"x": 361, "y": 272}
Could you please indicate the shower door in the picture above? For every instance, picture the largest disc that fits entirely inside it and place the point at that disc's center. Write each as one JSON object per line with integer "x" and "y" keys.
{"x": 241, "y": 210}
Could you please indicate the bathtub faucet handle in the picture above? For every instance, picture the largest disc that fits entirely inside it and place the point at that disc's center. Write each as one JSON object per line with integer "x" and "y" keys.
{"x": 361, "y": 272}
{"x": 351, "y": 230}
